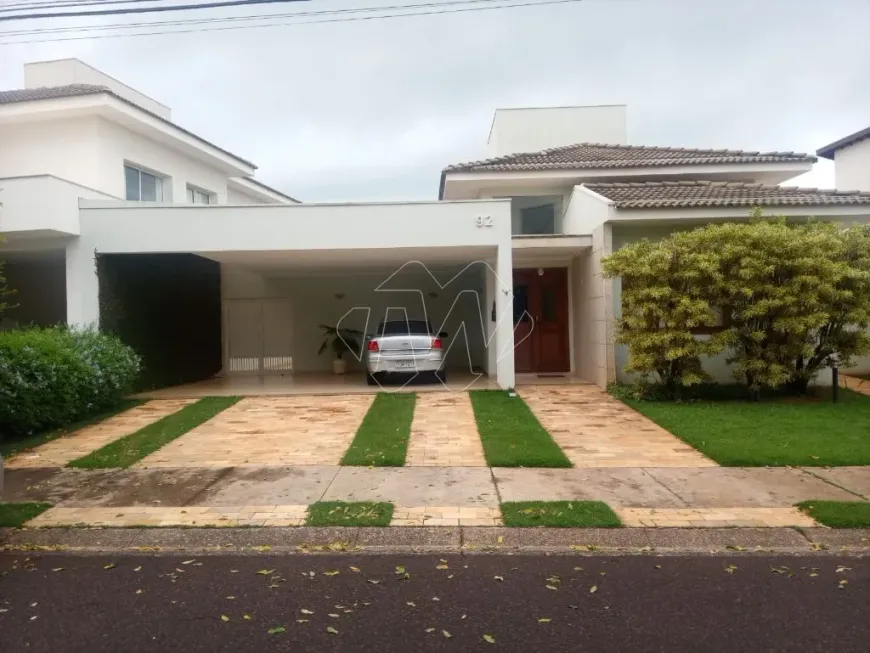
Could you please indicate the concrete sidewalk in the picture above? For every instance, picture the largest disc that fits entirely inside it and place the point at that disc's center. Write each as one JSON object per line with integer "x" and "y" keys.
{"x": 711, "y": 496}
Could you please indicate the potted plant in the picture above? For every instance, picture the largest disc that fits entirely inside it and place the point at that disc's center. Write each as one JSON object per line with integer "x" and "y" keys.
{"x": 340, "y": 341}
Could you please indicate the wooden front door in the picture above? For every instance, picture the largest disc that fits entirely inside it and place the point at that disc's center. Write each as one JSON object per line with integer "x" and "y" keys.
{"x": 541, "y": 320}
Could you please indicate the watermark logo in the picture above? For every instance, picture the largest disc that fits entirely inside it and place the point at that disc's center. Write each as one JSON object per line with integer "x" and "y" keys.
{"x": 406, "y": 355}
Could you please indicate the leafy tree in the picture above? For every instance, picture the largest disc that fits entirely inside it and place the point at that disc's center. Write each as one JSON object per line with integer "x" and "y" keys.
{"x": 665, "y": 298}
{"x": 5, "y": 290}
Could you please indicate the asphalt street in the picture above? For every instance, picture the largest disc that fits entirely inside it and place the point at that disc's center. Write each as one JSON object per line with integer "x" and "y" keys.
{"x": 391, "y": 603}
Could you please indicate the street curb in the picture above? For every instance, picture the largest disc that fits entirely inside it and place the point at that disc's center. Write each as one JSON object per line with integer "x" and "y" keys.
{"x": 434, "y": 539}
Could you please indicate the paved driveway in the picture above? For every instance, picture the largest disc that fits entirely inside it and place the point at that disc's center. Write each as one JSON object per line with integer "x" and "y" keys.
{"x": 596, "y": 430}
{"x": 274, "y": 431}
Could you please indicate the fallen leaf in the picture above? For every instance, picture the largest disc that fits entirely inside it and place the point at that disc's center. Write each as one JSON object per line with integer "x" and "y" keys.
{"x": 842, "y": 584}
{"x": 58, "y": 569}
{"x": 435, "y": 598}
{"x": 400, "y": 570}
{"x": 500, "y": 539}
{"x": 411, "y": 603}
{"x": 139, "y": 568}
{"x": 441, "y": 566}
{"x": 735, "y": 547}
{"x": 544, "y": 620}
{"x": 276, "y": 630}
{"x": 658, "y": 566}
{"x": 302, "y": 621}
{"x": 138, "y": 591}
{"x": 306, "y": 611}
{"x": 333, "y": 615}
{"x": 331, "y": 573}
{"x": 498, "y": 578}
{"x": 593, "y": 589}
{"x": 841, "y": 569}
{"x": 578, "y": 568}
{"x": 730, "y": 569}
{"x": 262, "y": 547}
{"x": 373, "y": 581}
{"x": 430, "y": 630}
{"x": 111, "y": 565}
{"x": 489, "y": 638}
{"x": 265, "y": 572}
{"x": 224, "y": 617}
{"x": 187, "y": 562}
{"x": 446, "y": 634}
{"x": 331, "y": 630}
{"x": 354, "y": 569}
{"x": 231, "y": 598}
{"x": 247, "y": 617}
{"x": 551, "y": 587}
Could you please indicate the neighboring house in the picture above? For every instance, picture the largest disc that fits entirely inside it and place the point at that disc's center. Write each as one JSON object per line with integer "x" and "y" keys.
{"x": 507, "y": 261}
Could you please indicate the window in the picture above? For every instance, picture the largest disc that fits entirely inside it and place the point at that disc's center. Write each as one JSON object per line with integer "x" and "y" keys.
{"x": 198, "y": 196}
{"x": 142, "y": 186}
{"x": 537, "y": 220}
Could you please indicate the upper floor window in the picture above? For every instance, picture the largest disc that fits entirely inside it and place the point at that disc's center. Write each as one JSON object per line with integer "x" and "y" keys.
{"x": 537, "y": 220}
{"x": 198, "y": 196}
{"x": 142, "y": 186}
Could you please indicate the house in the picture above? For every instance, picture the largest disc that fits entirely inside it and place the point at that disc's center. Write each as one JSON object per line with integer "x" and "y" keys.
{"x": 114, "y": 213}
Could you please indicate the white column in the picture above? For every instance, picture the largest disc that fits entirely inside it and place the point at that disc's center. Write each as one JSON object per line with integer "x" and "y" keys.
{"x": 82, "y": 286}
{"x": 504, "y": 311}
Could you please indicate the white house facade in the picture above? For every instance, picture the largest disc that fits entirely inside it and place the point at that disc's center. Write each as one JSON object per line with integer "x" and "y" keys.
{"x": 114, "y": 214}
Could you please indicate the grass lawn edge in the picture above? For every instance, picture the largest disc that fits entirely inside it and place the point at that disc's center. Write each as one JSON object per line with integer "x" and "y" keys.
{"x": 133, "y": 447}
{"x": 838, "y": 514}
{"x": 382, "y": 438}
{"x": 350, "y": 513}
{"x": 559, "y": 514}
{"x": 16, "y": 514}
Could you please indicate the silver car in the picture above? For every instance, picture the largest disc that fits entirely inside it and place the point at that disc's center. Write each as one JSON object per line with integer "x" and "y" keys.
{"x": 402, "y": 348}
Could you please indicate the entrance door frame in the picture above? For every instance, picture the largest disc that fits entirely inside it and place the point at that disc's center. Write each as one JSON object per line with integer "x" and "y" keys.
{"x": 561, "y": 276}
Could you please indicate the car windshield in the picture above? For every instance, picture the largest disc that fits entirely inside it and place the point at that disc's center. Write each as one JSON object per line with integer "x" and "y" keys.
{"x": 404, "y": 328}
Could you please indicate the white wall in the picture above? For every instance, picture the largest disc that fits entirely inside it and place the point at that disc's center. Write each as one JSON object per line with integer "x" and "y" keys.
{"x": 852, "y": 166}
{"x": 62, "y": 72}
{"x": 119, "y": 145}
{"x": 68, "y": 149}
{"x": 533, "y": 129}
{"x": 235, "y": 196}
{"x": 41, "y": 203}
{"x": 585, "y": 211}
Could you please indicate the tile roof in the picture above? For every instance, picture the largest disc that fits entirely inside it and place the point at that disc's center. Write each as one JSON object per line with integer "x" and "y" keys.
{"x": 75, "y": 90}
{"x": 50, "y": 92}
{"x": 686, "y": 194}
{"x": 828, "y": 150}
{"x": 602, "y": 155}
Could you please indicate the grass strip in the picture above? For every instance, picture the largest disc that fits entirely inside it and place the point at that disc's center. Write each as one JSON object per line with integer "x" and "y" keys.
{"x": 14, "y": 515}
{"x": 382, "y": 438}
{"x": 511, "y": 434}
{"x": 559, "y": 514}
{"x": 29, "y": 442}
{"x": 132, "y": 448}
{"x": 341, "y": 513}
{"x": 838, "y": 514}
{"x": 776, "y": 431}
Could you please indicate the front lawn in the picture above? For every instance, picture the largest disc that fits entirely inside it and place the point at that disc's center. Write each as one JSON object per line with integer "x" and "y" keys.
{"x": 838, "y": 514}
{"x": 14, "y": 515}
{"x": 559, "y": 514}
{"x": 340, "y": 513}
{"x": 132, "y": 448}
{"x": 382, "y": 438}
{"x": 511, "y": 434}
{"x": 804, "y": 431}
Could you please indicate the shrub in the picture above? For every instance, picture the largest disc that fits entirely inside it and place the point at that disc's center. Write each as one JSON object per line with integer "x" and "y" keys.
{"x": 51, "y": 377}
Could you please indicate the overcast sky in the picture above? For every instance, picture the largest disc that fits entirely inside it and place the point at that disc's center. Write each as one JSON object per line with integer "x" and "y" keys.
{"x": 375, "y": 109}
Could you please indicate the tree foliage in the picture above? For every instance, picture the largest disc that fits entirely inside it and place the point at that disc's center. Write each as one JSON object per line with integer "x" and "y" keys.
{"x": 5, "y": 291}
{"x": 789, "y": 295}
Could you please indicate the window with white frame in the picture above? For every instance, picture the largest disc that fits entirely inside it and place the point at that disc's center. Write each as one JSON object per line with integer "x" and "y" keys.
{"x": 198, "y": 196}
{"x": 142, "y": 186}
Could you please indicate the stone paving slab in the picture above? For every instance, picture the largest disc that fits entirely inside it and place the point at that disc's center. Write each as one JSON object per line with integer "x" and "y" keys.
{"x": 631, "y": 486}
{"x": 713, "y": 517}
{"x": 145, "y": 487}
{"x": 49, "y": 484}
{"x": 268, "y": 485}
{"x": 446, "y": 516}
{"x": 415, "y": 486}
{"x": 199, "y": 516}
{"x": 596, "y": 430}
{"x": 59, "y": 452}
{"x": 444, "y": 432}
{"x": 269, "y": 431}
{"x": 853, "y": 479}
{"x": 746, "y": 486}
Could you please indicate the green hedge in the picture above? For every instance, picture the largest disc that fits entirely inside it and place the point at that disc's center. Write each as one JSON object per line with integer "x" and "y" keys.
{"x": 51, "y": 377}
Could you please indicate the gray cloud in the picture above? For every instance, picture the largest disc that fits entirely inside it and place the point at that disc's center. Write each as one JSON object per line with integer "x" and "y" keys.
{"x": 375, "y": 109}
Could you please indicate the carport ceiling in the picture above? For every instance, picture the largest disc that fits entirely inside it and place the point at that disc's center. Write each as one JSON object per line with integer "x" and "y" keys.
{"x": 295, "y": 261}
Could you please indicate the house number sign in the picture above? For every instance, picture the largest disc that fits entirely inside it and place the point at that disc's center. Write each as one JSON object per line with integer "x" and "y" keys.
{"x": 484, "y": 221}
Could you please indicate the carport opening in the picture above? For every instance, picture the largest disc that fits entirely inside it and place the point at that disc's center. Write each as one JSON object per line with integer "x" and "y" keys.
{"x": 167, "y": 307}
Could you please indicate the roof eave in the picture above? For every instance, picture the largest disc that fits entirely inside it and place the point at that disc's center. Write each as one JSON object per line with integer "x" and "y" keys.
{"x": 828, "y": 151}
